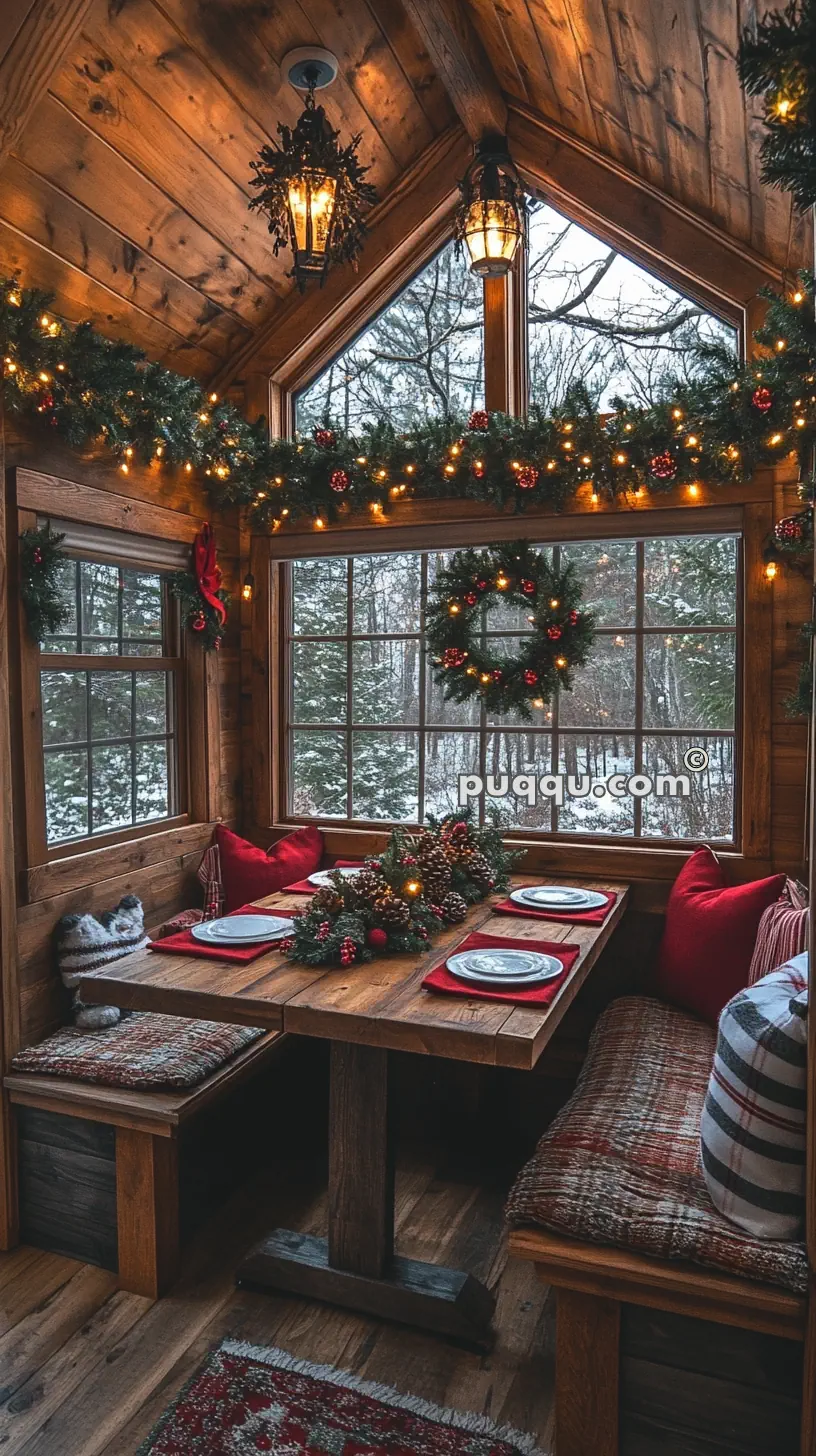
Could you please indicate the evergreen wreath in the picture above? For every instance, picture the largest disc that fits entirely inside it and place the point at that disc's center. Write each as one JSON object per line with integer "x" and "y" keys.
{"x": 40, "y": 559}
{"x": 204, "y": 602}
{"x": 777, "y": 60}
{"x": 423, "y": 883}
{"x": 558, "y": 634}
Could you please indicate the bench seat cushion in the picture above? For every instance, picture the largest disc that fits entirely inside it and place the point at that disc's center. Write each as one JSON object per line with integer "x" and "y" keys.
{"x": 143, "y": 1051}
{"x": 620, "y": 1164}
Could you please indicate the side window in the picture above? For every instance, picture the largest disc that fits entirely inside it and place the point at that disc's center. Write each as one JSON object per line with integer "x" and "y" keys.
{"x": 110, "y": 686}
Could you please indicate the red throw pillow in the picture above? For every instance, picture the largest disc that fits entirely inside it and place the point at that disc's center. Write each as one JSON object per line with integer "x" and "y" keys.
{"x": 249, "y": 873}
{"x": 705, "y": 954}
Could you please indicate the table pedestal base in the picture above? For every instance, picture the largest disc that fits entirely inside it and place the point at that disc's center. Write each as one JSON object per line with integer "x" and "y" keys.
{"x": 447, "y": 1301}
{"x": 356, "y": 1266}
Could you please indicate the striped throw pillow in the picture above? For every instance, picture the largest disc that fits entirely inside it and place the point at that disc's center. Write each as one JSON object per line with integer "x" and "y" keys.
{"x": 752, "y": 1134}
{"x": 782, "y": 933}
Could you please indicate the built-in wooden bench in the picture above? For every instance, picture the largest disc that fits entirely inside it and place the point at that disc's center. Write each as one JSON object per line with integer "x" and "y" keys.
{"x": 117, "y": 1177}
{"x": 677, "y": 1382}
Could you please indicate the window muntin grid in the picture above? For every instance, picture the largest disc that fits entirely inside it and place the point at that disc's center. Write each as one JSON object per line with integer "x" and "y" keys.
{"x": 351, "y": 758}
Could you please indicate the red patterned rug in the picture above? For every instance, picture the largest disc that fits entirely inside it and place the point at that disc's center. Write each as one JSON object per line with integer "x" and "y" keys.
{"x": 244, "y": 1400}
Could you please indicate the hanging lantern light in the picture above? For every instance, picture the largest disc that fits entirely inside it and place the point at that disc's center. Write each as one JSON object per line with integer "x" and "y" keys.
{"x": 493, "y": 212}
{"x": 310, "y": 187}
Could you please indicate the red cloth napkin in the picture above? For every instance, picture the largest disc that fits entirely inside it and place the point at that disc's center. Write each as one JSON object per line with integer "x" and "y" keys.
{"x": 302, "y": 887}
{"x": 567, "y": 917}
{"x": 440, "y": 979}
{"x": 186, "y": 944}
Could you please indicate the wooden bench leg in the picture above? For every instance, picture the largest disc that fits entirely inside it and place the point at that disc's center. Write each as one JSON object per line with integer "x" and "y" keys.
{"x": 147, "y": 1211}
{"x": 587, "y": 1369}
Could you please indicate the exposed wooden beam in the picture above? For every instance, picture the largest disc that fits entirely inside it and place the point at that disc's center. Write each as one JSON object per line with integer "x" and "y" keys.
{"x": 30, "y": 57}
{"x": 687, "y": 250}
{"x": 461, "y": 62}
{"x": 405, "y": 228}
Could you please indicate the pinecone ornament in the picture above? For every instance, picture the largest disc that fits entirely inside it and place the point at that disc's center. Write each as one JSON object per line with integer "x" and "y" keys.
{"x": 434, "y": 868}
{"x": 477, "y": 867}
{"x": 327, "y": 899}
{"x": 453, "y": 907}
{"x": 369, "y": 885}
{"x": 392, "y": 911}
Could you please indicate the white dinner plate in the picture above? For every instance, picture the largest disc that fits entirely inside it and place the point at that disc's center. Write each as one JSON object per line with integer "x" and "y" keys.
{"x": 558, "y": 897}
{"x": 504, "y": 968}
{"x": 241, "y": 929}
{"x": 321, "y": 878}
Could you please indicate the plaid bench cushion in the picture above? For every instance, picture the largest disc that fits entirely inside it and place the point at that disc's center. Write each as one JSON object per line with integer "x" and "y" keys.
{"x": 146, "y": 1051}
{"x": 620, "y": 1164}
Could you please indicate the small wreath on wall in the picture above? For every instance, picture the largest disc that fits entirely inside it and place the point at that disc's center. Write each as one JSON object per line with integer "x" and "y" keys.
{"x": 557, "y": 638}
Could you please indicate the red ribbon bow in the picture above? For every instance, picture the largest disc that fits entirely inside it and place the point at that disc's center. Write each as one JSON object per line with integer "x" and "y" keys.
{"x": 207, "y": 570}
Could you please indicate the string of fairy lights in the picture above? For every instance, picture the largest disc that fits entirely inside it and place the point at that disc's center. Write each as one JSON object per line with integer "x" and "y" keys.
{"x": 713, "y": 428}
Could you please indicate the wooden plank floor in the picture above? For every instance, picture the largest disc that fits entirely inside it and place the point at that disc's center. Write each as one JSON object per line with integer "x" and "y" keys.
{"x": 86, "y": 1371}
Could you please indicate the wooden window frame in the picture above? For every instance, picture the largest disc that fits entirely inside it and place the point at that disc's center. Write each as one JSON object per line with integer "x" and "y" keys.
{"x": 750, "y": 517}
{"x": 197, "y": 730}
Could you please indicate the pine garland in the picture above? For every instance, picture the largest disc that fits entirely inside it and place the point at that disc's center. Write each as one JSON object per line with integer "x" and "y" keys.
{"x": 391, "y": 908}
{"x": 556, "y": 640}
{"x": 715, "y": 428}
{"x": 777, "y": 60}
{"x": 40, "y": 559}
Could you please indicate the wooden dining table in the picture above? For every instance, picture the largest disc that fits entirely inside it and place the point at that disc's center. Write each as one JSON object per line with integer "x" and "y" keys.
{"x": 365, "y": 1012}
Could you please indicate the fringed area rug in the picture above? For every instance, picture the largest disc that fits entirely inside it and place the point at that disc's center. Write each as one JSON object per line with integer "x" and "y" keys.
{"x": 245, "y": 1399}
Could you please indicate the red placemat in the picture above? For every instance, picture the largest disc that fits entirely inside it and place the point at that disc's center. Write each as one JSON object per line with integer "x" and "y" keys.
{"x": 567, "y": 917}
{"x": 440, "y": 979}
{"x": 302, "y": 887}
{"x": 185, "y": 944}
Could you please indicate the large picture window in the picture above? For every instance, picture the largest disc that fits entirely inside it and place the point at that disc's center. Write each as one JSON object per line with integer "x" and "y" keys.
{"x": 109, "y": 684}
{"x": 371, "y": 737}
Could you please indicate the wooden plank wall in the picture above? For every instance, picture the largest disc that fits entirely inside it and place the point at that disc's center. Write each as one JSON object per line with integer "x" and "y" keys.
{"x": 792, "y": 605}
{"x": 159, "y": 868}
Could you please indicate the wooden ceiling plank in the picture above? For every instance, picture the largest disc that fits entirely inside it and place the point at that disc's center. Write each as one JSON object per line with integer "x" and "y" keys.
{"x": 32, "y": 56}
{"x": 165, "y": 64}
{"x": 519, "y": 63}
{"x": 550, "y": 21}
{"x": 249, "y": 44}
{"x": 81, "y": 297}
{"x": 461, "y": 62}
{"x": 373, "y": 74}
{"x": 638, "y": 61}
{"x": 728, "y": 146}
{"x": 414, "y": 62}
{"x": 11, "y": 22}
{"x": 593, "y": 45}
{"x": 649, "y": 225}
{"x": 47, "y": 216}
{"x": 97, "y": 90}
{"x": 685, "y": 103}
{"x": 60, "y": 148}
{"x": 414, "y": 217}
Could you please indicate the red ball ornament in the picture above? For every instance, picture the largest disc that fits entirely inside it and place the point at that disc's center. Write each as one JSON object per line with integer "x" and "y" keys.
{"x": 663, "y": 466}
{"x": 554, "y": 633}
{"x": 47, "y": 401}
{"x": 377, "y": 938}
{"x": 339, "y": 481}
{"x": 573, "y": 618}
{"x": 482, "y": 584}
{"x": 471, "y": 598}
{"x": 323, "y": 931}
{"x": 326, "y": 439}
{"x": 199, "y": 622}
{"x": 496, "y": 674}
{"x": 530, "y": 677}
{"x": 527, "y": 478}
{"x": 453, "y": 657}
{"x": 762, "y": 399}
{"x": 477, "y": 470}
{"x": 527, "y": 586}
{"x": 37, "y": 556}
{"x": 479, "y": 420}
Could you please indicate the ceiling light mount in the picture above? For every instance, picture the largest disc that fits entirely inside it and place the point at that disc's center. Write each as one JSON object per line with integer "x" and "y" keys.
{"x": 310, "y": 68}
